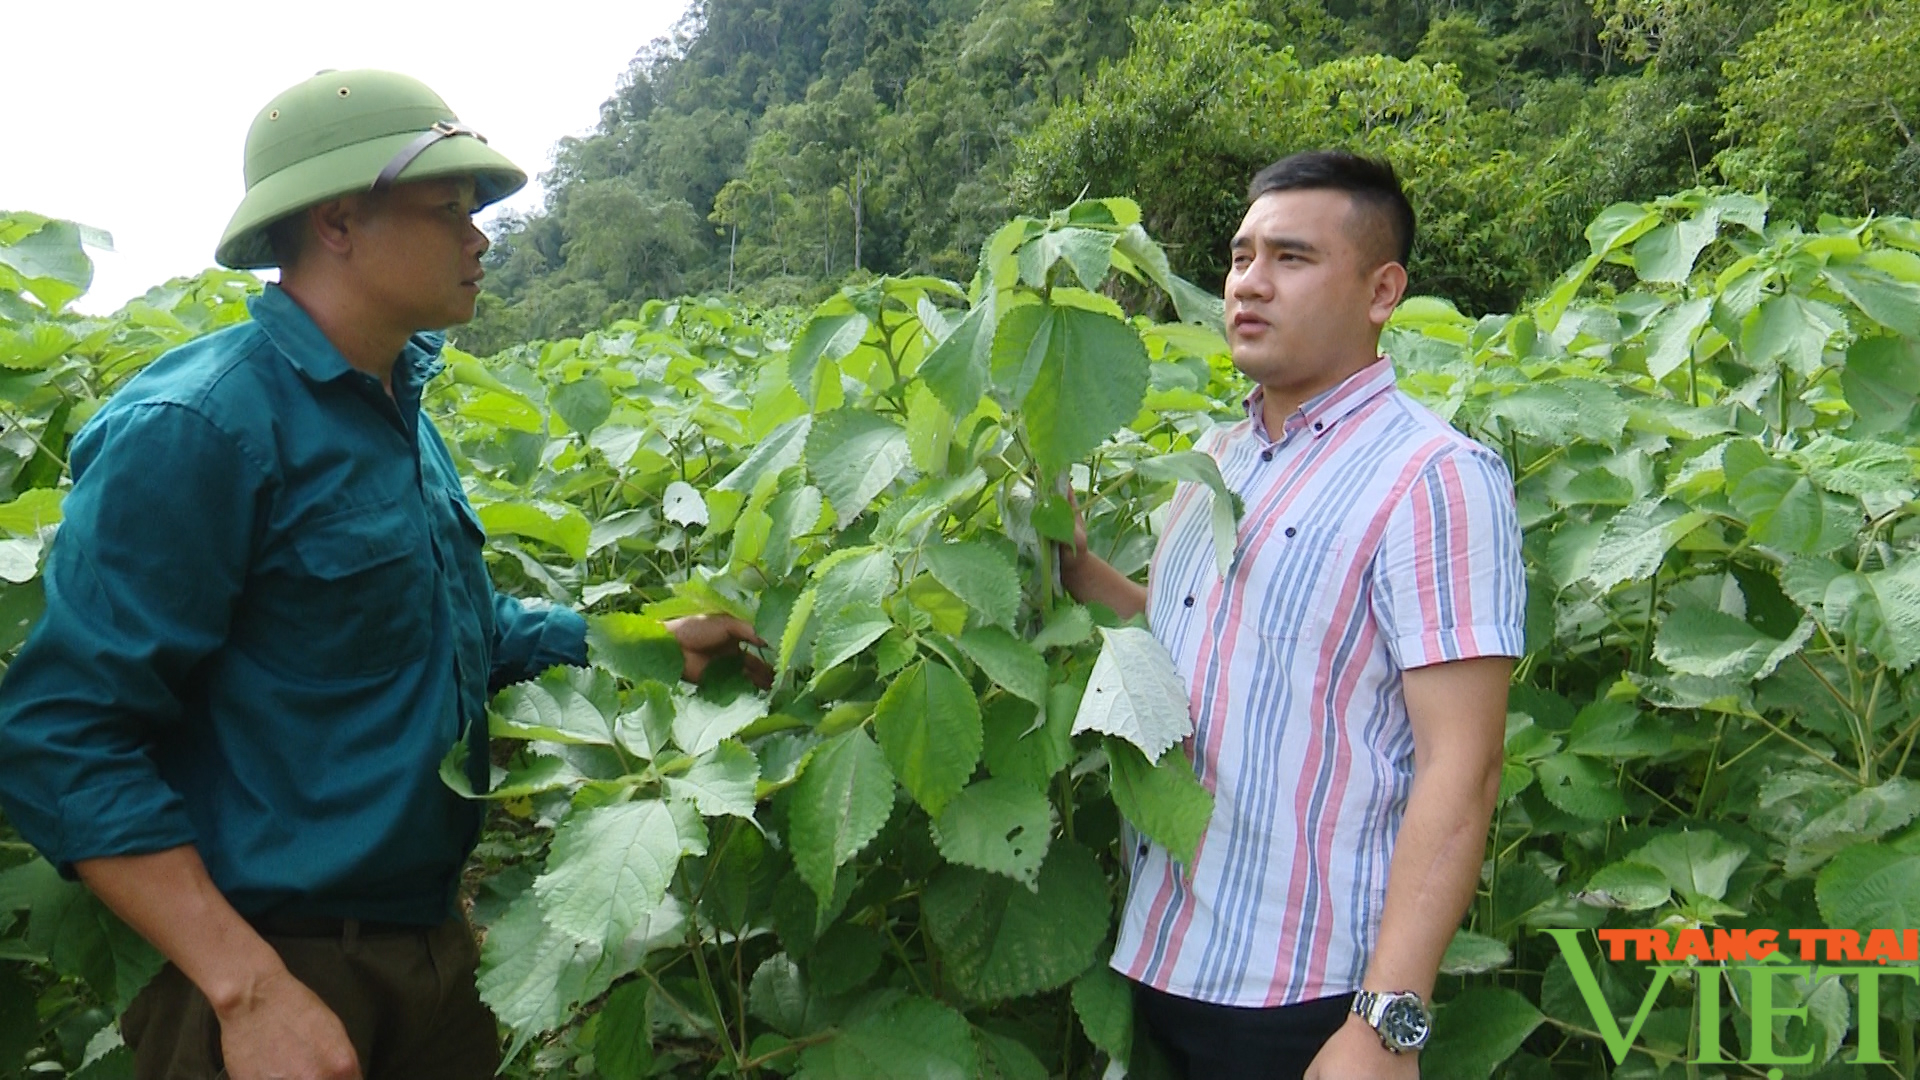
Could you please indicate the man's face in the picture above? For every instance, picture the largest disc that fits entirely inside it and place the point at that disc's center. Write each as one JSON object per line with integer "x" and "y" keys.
{"x": 417, "y": 253}
{"x": 1302, "y": 296}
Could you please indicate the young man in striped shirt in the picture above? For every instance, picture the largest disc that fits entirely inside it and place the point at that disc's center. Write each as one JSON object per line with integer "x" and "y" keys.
{"x": 1347, "y": 678}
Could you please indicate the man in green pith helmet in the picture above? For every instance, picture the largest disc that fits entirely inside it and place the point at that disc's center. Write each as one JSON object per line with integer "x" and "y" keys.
{"x": 268, "y": 620}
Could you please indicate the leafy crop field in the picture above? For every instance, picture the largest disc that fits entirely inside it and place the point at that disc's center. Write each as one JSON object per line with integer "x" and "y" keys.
{"x": 906, "y": 859}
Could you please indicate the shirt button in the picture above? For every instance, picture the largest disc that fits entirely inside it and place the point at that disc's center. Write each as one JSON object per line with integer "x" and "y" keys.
{"x": 1188, "y": 602}
{"x": 1266, "y": 455}
{"x": 1319, "y": 425}
{"x": 1291, "y": 531}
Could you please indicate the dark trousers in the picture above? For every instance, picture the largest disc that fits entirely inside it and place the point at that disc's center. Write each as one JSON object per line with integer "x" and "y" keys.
{"x": 1223, "y": 1042}
{"x": 406, "y": 998}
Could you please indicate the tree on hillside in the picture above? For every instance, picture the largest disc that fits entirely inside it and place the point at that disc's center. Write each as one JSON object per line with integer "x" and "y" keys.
{"x": 1822, "y": 109}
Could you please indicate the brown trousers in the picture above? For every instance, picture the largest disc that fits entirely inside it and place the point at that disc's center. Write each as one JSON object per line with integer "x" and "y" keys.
{"x": 407, "y": 1000}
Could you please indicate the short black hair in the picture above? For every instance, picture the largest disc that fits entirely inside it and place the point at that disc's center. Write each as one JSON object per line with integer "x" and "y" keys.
{"x": 1370, "y": 182}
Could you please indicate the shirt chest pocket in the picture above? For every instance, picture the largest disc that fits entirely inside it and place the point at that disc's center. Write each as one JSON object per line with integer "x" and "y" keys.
{"x": 1298, "y": 583}
{"x": 362, "y": 591}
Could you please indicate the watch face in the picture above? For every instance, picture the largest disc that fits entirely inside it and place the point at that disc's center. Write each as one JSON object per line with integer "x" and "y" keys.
{"x": 1404, "y": 1023}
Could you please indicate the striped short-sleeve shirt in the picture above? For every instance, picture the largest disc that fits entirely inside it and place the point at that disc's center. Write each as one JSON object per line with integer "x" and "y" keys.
{"x": 1375, "y": 539}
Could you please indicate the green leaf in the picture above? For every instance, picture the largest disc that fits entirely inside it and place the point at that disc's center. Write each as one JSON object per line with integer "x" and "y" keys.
{"x": 1000, "y": 940}
{"x": 1566, "y": 411}
{"x": 1019, "y": 748}
{"x": 1166, "y": 802}
{"x": 584, "y": 404}
{"x": 509, "y": 411}
{"x": 1666, "y": 254}
{"x": 1135, "y": 693}
{"x": 720, "y": 781}
{"x": 1870, "y": 887}
{"x": 1897, "y": 595}
{"x": 1882, "y": 384}
{"x": 1670, "y": 337}
{"x": 681, "y": 504}
{"x": 1067, "y": 626}
{"x": 840, "y": 802}
{"x": 844, "y": 958}
{"x": 778, "y": 995}
{"x": 1008, "y": 661}
{"x": 1475, "y": 1032}
{"x": 20, "y": 1027}
{"x": 957, "y": 369}
{"x": 700, "y": 724}
{"x": 1224, "y": 509}
{"x": 623, "y": 1049}
{"x": 1637, "y": 540}
{"x": 84, "y": 940}
{"x": 831, "y": 337}
{"x": 1865, "y": 815}
{"x": 846, "y": 634}
{"x": 562, "y": 526}
{"x": 1619, "y": 224}
{"x": 1088, "y": 251}
{"x": 52, "y": 262}
{"x": 635, "y": 647}
{"x": 979, "y": 574}
{"x": 1104, "y": 1003}
{"x": 1695, "y": 640}
{"x": 553, "y": 709}
{"x": 1892, "y": 303}
{"x": 912, "y": 1039}
{"x": 1616, "y": 730}
{"x": 1052, "y": 518}
{"x": 1790, "y": 330}
{"x": 1474, "y": 954}
{"x": 1788, "y": 511}
{"x": 1003, "y": 1057}
{"x": 853, "y": 455}
{"x": 1580, "y": 787}
{"x": 1696, "y": 864}
{"x": 646, "y": 727}
{"x": 532, "y": 975}
{"x": 779, "y": 451}
{"x": 1088, "y": 383}
{"x": 610, "y": 866}
{"x": 32, "y": 511}
{"x": 929, "y": 725}
{"x": 1627, "y": 886}
{"x": 1001, "y": 826}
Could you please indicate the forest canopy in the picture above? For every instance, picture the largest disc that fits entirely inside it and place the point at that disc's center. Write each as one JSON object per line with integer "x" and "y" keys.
{"x": 770, "y": 148}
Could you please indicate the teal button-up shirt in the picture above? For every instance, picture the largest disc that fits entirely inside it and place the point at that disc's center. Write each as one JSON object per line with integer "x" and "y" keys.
{"x": 268, "y": 619}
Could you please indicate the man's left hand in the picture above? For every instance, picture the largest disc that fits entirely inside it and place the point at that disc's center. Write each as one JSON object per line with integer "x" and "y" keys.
{"x": 1355, "y": 1053}
{"x": 706, "y": 638}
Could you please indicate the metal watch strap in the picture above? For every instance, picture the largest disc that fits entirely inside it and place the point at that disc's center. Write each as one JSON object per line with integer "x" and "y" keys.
{"x": 441, "y": 129}
{"x": 1370, "y": 1005}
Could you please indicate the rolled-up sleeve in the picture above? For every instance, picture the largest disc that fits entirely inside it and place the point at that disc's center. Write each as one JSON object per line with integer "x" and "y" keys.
{"x": 529, "y": 638}
{"x": 1448, "y": 581}
{"x": 140, "y": 587}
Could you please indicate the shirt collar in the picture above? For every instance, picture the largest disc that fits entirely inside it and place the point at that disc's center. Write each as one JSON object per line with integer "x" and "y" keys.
{"x": 299, "y": 339}
{"x": 1322, "y": 411}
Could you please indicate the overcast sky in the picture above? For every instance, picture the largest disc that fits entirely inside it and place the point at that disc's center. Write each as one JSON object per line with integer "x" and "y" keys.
{"x": 131, "y": 117}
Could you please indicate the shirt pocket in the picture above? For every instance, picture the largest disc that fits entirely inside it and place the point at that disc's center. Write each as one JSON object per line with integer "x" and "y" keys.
{"x": 369, "y": 590}
{"x": 1295, "y": 582}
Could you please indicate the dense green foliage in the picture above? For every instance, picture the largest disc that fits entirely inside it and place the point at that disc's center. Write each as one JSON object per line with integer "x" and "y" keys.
{"x": 902, "y": 860}
{"x": 771, "y": 147}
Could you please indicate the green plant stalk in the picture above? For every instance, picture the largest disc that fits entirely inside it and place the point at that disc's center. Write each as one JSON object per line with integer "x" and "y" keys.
{"x": 713, "y": 998}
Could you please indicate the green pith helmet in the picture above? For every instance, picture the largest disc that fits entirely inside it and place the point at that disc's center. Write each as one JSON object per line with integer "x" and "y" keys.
{"x": 346, "y": 131}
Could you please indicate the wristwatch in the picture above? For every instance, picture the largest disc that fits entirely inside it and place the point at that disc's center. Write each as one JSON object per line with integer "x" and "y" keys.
{"x": 1401, "y": 1019}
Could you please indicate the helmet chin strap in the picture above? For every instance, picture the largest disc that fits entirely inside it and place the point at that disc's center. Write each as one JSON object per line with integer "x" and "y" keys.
{"x": 441, "y": 129}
